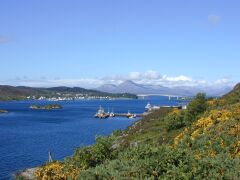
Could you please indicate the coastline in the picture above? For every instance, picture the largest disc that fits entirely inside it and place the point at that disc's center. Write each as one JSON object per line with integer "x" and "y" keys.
{"x": 29, "y": 173}
{"x": 85, "y": 99}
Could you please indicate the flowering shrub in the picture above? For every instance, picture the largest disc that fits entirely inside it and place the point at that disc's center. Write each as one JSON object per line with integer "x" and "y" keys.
{"x": 218, "y": 132}
{"x": 213, "y": 103}
{"x": 56, "y": 170}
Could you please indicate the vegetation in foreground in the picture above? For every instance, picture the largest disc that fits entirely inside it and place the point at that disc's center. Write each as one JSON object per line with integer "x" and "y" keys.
{"x": 201, "y": 142}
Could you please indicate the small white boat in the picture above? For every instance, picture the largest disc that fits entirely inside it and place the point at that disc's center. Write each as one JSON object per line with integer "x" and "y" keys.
{"x": 111, "y": 114}
{"x": 148, "y": 107}
{"x": 132, "y": 116}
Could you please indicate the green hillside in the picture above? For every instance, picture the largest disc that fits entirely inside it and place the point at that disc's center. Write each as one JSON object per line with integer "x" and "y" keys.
{"x": 202, "y": 142}
{"x": 233, "y": 96}
{"x": 21, "y": 92}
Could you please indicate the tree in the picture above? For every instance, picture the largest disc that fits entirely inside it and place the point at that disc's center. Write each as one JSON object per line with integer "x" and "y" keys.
{"x": 174, "y": 120}
{"x": 195, "y": 108}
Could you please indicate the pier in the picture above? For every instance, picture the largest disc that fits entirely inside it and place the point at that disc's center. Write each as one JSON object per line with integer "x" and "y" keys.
{"x": 127, "y": 115}
{"x": 101, "y": 114}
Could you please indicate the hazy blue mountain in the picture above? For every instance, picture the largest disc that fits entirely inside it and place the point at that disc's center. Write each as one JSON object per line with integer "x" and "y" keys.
{"x": 135, "y": 88}
{"x": 108, "y": 88}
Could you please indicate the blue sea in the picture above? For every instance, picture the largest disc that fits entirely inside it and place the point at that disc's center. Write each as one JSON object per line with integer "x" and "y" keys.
{"x": 27, "y": 135}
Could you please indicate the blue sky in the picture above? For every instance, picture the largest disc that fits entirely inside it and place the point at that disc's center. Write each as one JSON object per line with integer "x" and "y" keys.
{"x": 88, "y": 43}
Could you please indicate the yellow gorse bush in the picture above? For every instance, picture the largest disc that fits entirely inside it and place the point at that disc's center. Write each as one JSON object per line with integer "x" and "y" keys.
{"x": 225, "y": 121}
{"x": 236, "y": 111}
{"x": 179, "y": 137}
{"x": 212, "y": 102}
{"x": 175, "y": 111}
{"x": 204, "y": 124}
{"x": 56, "y": 171}
{"x": 236, "y": 149}
{"x": 220, "y": 115}
{"x": 216, "y": 102}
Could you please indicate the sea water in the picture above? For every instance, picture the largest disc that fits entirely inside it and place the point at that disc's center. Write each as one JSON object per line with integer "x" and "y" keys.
{"x": 26, "y": 135}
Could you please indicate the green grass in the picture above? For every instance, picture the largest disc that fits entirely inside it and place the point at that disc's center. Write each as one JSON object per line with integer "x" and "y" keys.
{"x": 151, "y": 130}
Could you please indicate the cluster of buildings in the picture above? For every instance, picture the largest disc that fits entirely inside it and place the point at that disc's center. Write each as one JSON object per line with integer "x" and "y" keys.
{"x": 67, "y": 98}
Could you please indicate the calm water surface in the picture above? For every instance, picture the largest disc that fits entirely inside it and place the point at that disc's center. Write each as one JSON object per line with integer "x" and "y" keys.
{"x": 27, "y": 135}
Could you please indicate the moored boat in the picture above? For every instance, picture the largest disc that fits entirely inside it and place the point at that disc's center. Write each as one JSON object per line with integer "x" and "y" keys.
{"x": 148, "y": 107}
{"x": 101, "y": 113}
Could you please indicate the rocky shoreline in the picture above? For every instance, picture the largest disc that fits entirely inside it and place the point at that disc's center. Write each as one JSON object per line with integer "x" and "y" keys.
{"x": 26, "y": 174}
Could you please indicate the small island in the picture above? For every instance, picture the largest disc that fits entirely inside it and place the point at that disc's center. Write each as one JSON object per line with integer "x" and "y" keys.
{"x": 3, "y": 111}
{"x": 46, "y": 107}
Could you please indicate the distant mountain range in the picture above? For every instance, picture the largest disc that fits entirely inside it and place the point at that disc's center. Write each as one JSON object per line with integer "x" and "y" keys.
{"x": 132, "y": 87}
{"x": 22, "y": 92}
{"x": 127, "y": 89}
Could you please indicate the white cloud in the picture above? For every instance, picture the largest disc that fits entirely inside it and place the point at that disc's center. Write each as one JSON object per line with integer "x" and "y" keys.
{"x": 149, "y": 78}
{"x": 152, "y": 75}
{"x": 84, "y": 82}
{"x": 223, "y": 81}
{"x": 178, "y": 78}
{"x": 214, "y": 19}
{"x": 135, "y": 76}
{"x": 146, "y": 75}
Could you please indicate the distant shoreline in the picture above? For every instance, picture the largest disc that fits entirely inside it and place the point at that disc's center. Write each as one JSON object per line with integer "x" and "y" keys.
{"x": 109, "y": 99}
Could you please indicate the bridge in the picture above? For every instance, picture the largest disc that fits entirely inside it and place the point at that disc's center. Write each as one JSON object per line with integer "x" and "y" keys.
{"x": 167, "y": 95}
{"x": 145, "y": 95}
